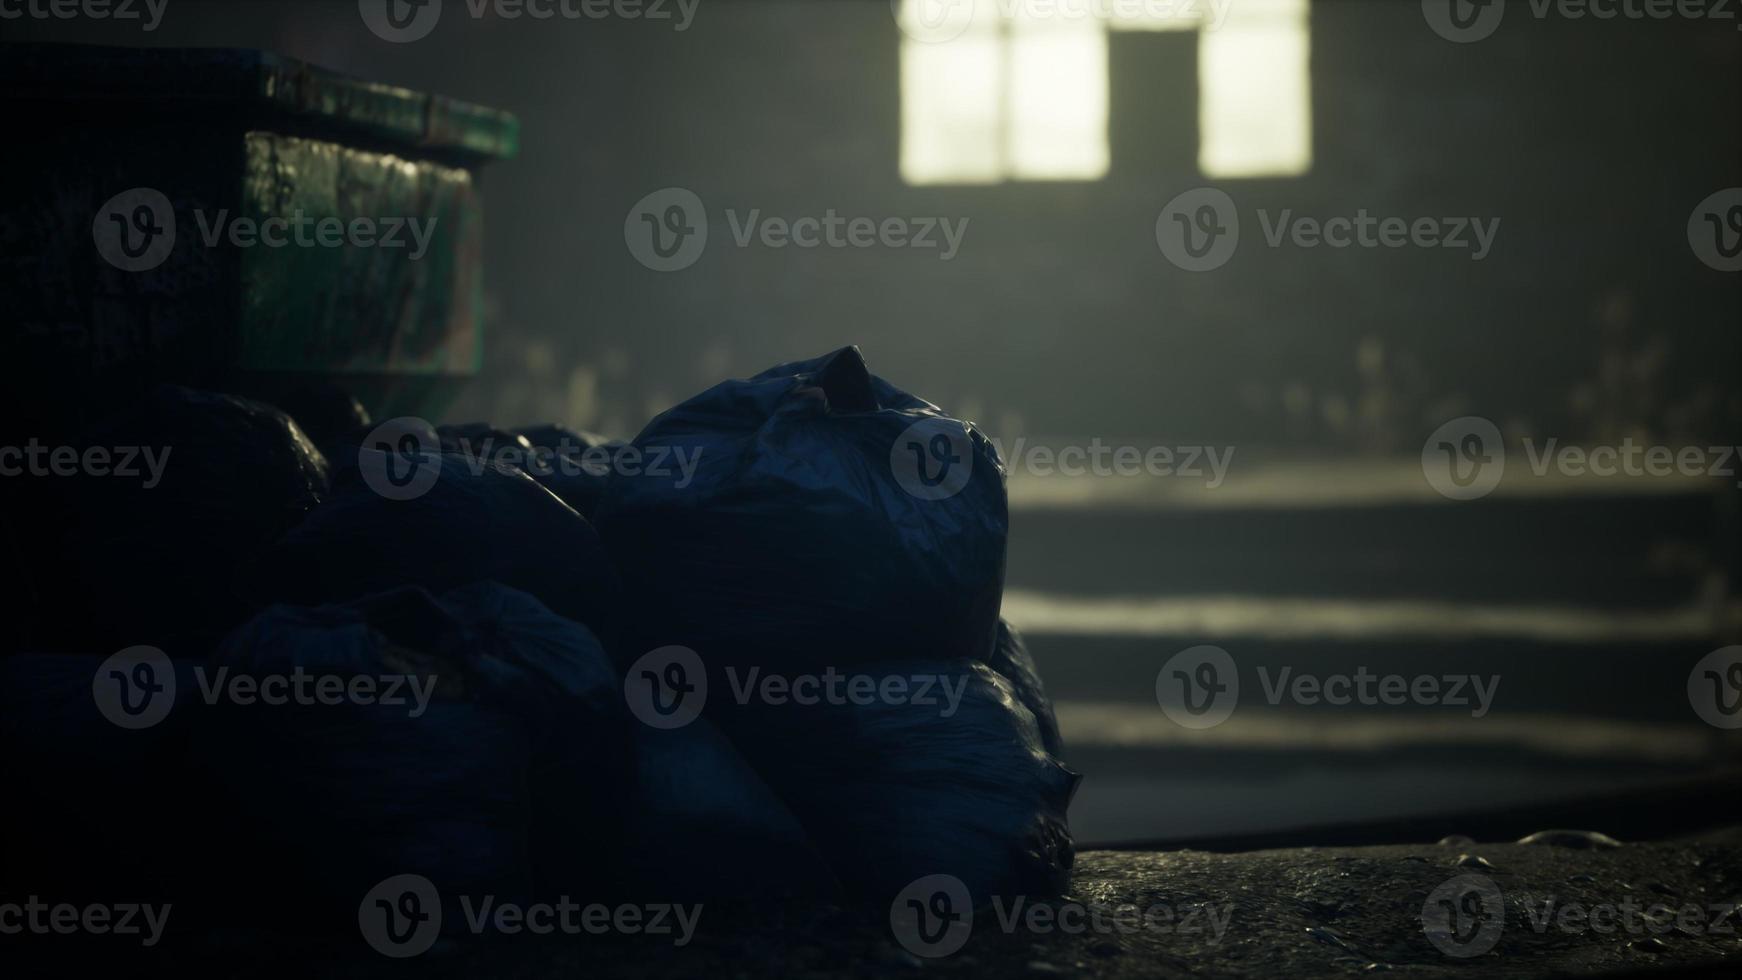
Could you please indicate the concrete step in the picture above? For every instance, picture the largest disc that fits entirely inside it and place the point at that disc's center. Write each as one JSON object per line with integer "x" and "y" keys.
{"x": 1632, "y": 550}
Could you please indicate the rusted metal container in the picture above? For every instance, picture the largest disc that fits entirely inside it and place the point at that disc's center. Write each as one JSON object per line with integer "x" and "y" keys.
{"x": 236, "y": 220}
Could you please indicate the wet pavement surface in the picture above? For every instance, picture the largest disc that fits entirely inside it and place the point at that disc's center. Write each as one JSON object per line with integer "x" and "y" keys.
{"x": 1567, "y": 904}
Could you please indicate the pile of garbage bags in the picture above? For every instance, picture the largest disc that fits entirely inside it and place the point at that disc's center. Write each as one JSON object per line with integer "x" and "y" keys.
{"x": 541, "y": 662}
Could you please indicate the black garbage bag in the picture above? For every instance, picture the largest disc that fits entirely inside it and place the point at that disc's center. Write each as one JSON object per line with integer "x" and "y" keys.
{"x": 813, "y": 507}
{"x": 490, "y": 752}
{"x": 950, "y": 777}
{"x": 704, "y": 827}
{"x": 197, "y": 484}
{"x": 1011, "y": 659}
{"x": 331, "y": 416}
{"x": 457, "y": 520}
{"x": 573, "y": 465}
{"x": 553, "y": 435}
{"x": 482, "y": 441}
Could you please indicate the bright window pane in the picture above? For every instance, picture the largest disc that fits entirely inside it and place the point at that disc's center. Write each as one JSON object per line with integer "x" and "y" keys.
{"x": 1058, "y": 102}
{"x": 988, "y": 97}
{"x": 1255, "y": 108}
{"x": 950, "y": 130}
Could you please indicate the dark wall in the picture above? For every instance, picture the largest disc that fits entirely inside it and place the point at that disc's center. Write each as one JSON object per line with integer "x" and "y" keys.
{"x": 1591, "y": 141}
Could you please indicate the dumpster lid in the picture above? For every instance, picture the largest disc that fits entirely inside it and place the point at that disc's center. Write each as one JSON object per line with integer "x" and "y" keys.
{"x": 253, "y": 82}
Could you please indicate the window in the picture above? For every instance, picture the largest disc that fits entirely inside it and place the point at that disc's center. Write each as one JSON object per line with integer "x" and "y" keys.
{"x": 1018, "y": 91}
